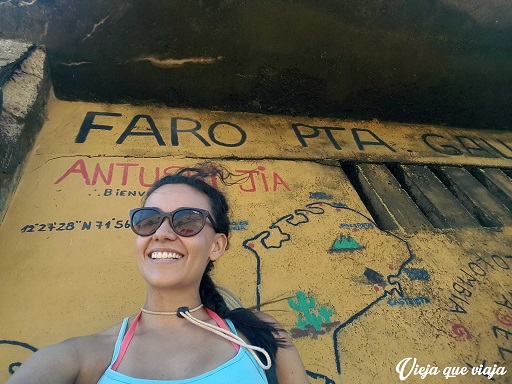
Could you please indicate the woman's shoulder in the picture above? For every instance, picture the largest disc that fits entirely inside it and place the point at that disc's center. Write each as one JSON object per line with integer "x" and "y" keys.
{"x": 68, "y": 360}
{"x": 79, "y": 347}
{"x": 266, "y": 317}
{"x": 86, "y": 342}
{"x": 97, "y": 345}
{"x": 274, "y": 322}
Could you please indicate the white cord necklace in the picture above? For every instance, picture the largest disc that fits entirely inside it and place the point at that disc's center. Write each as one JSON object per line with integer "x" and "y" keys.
{"x": 229, "y": 336}
{"x": 184, "y": 312}
{"x": 169, "y": 313}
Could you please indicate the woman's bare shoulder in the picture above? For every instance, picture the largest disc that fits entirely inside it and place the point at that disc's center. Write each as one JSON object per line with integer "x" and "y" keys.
{"x": 69, "y": 360}
{"x": 82, "y": 344}
{"x": 273, "y": 321}
{"x": 96, "y": 348}
{"x": 266, "y": 317}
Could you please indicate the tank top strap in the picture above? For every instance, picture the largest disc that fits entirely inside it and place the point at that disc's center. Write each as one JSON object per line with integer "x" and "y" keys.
{"x": 126, "y": 341}
{"x": 119, "y": 340}
{"x": 231, "y": 326}
{"x": 224, "y": 325}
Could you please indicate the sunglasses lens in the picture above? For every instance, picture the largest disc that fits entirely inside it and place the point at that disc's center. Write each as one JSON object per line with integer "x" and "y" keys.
{"x": 188, "y": 222}
{"x": 146, "y": 221}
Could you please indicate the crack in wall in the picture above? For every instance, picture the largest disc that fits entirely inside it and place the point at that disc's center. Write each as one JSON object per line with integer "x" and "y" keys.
{"x": 30, "y": 74}
{"x": 10, "y": 68}
{"x": 95, "y": 26}
{"x": 174, "y": 63}
{"x": 72, "y": 64}
{"x": 45, "y": 32}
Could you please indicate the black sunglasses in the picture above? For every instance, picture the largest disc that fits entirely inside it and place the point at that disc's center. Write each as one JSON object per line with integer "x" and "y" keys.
{"x": 184, "y": 221}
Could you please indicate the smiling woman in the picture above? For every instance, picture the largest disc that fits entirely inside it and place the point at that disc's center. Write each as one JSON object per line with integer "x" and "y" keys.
{"x": 185, "y": 332}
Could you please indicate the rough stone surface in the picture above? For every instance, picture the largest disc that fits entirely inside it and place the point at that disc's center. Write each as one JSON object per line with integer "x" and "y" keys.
{"x": 11, "y": 54}
{"x": 22, "y": 91}
{"x": 23, "y": 109}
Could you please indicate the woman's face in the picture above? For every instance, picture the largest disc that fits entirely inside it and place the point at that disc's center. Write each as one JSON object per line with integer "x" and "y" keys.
{"x": 190, "y": 255}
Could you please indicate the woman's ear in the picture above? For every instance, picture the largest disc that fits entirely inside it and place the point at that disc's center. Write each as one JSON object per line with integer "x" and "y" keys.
{"x": 219, "y": 246}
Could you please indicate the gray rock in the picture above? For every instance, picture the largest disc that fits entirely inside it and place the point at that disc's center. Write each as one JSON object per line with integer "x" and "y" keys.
{"x": 23, "y": 95}
{"x": 12, "y": 53}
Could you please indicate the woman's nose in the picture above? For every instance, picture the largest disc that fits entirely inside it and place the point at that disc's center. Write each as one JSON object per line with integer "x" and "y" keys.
{"x": 165, "y": 231}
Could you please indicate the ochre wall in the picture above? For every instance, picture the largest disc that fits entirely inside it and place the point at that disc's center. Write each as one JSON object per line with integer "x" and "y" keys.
{"x": 357, "y": 299}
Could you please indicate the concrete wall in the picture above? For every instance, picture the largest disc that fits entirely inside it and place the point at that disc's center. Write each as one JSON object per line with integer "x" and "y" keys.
{"x": 370, "y": 242}
{"x": 437, "y": 61}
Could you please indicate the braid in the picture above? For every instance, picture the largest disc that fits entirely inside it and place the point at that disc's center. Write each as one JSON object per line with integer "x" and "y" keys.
{"x": 210, "y": 297}
{"x": 259, "y": 332}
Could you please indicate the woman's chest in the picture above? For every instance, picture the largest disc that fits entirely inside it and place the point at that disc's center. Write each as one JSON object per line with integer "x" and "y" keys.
{"x": 175, "y": 357}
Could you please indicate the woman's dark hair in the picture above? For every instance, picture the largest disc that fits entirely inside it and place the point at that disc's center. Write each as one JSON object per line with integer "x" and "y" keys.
{"x": 194, "y": 177}
{"x": 259, "y": 332}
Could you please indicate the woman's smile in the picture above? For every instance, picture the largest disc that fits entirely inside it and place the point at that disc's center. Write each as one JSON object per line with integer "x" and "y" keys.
{"x": 165, "y": 256}
{"x": 165, "y": 248}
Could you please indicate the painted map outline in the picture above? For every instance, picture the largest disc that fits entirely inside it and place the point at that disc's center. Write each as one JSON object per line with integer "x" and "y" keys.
{"x": 16, "y": 343}
{"x": 291, "y": 219}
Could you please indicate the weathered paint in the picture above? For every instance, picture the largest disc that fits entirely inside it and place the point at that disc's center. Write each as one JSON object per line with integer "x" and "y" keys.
{"x": 356, "y": 299}
{"x": 99, "y": 130}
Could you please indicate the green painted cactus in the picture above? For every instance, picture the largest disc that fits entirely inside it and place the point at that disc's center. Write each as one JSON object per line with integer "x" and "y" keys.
{"x": 302, "y": 303}
{"x": 305, "y": 306}
{"x": 325, "y": 313}
{"x": 301, "y": 323}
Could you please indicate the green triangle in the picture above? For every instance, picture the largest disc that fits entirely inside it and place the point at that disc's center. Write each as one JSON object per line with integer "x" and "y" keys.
{"x": 345, "y": 243}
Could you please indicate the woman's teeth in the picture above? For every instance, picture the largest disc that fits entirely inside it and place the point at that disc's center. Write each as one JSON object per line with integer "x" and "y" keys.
{"x": 165, "y": 255}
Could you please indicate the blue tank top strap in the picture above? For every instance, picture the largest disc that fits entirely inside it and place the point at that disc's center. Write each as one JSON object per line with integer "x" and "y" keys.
{"x": 119, "y": 340}
{"x": 231, "y": 326}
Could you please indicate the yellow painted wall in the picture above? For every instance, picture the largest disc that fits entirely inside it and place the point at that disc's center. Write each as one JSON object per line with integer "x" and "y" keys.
{"x": 365, "y": 298}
